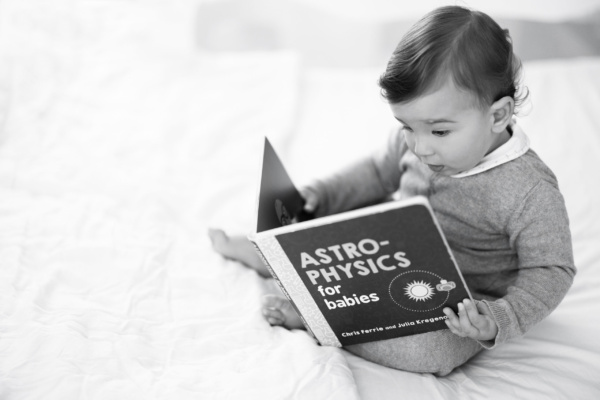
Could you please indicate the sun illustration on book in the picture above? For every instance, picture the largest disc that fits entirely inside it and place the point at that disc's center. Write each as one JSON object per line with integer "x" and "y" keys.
{"x": 419, "y": 291}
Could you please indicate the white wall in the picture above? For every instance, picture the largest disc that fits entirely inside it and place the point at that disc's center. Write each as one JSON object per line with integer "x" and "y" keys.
{"x": 545, "y": 10}
{"x": 363, "y": 33}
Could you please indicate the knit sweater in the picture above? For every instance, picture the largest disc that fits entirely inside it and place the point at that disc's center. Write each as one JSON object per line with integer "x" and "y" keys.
{"x": 507, "y": 226}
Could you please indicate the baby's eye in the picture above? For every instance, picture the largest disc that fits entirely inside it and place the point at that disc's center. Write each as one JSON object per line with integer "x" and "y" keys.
{"x": 406, "y": 128}
{"x": 440, "y": 133}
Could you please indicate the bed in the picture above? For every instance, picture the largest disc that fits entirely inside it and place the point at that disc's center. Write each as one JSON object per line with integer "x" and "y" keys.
{"x": 122, "y": 140}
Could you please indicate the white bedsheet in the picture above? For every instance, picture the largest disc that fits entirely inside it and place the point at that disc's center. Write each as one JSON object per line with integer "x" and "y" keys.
{"x": 118, "y": 151}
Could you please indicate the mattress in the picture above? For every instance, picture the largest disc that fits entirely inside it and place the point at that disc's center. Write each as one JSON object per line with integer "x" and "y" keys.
{"x": 121, "y": 143}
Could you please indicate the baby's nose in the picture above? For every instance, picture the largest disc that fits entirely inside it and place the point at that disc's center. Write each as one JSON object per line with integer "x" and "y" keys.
{"x": 422, "y": 148}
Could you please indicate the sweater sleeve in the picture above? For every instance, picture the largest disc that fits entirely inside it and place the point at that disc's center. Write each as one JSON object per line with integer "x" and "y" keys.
{"x": 539, "y": 232}
{"x": 365, "y": 182}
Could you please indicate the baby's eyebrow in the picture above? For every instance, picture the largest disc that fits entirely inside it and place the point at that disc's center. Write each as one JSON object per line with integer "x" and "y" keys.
{"x": 439, "y": 121}
{"x": 431, "y": 121}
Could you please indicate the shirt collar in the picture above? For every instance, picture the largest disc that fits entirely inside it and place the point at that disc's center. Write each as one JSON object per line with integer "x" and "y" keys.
{"x": 515, "y": 147}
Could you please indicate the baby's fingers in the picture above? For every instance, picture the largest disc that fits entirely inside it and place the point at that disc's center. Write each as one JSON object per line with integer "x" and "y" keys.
{"x": 471, "y": 311}
{"x": 470, "y": 322}
{"x": 311, "y": 200}
{"x": 453, "y": 321}
{"x": 467, "y": 318}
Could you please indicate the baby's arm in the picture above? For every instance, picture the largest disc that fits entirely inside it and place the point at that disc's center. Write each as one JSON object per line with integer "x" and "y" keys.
{"x": 367, "y": 181}
{"x": 539, "y": 232}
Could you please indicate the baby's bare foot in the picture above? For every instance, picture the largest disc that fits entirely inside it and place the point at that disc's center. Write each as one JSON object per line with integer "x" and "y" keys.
{"x": 237, "y": 248}
{"x": 278, "y": 310}
{"x": 220, "y": 241}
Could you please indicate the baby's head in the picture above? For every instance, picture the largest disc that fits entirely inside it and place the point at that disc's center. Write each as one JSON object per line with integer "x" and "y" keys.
{"x": 467, "y": 46}
{"x": 452, "y": 82}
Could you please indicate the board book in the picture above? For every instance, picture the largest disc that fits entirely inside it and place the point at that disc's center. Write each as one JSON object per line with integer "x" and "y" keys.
{"x": 369, "y": 274}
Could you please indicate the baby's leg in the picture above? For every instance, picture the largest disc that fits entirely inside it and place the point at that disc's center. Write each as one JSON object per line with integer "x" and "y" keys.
{"x": 239, "y": 249}
{"x": 437, "y": 352}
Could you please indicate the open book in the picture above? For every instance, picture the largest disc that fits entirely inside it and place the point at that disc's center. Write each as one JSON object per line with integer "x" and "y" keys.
{"x": 370, "y": 274}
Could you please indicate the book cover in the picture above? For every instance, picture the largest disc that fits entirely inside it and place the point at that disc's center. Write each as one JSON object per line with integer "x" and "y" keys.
{"x": 279, "y": 202}
{"x": 375, "y": 273}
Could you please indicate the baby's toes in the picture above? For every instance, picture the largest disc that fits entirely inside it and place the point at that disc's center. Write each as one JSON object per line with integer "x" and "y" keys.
{"x": 272, "y": 309}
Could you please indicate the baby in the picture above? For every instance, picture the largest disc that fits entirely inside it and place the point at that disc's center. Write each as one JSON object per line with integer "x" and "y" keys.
{"x": 452, "y": 84}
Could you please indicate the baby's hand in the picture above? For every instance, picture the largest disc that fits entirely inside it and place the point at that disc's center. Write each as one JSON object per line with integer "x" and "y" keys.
{"x": 311, "y": 199}
{"x": 474, "y": 321}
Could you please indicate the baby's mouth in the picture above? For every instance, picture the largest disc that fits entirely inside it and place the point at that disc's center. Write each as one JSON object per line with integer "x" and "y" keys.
{"x": 435, "y": 168}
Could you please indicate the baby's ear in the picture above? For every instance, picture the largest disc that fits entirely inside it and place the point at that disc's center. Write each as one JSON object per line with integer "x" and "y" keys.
{"x": 502, "y": 112}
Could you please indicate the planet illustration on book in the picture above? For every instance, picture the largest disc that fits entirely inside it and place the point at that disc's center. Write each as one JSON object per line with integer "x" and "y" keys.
{"x": 420, "y": 290}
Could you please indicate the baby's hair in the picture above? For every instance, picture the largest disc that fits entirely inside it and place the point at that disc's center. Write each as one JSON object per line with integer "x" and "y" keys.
{"x": 466, "y": 45}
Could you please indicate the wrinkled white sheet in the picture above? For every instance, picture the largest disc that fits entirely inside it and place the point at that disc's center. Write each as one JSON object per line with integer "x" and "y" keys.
{"x": 118, "y": 150}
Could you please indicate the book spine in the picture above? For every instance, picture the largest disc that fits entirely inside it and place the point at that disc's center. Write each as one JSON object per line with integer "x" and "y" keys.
{"x": 282, "y": 288}
{"x": 295, "y": 289}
